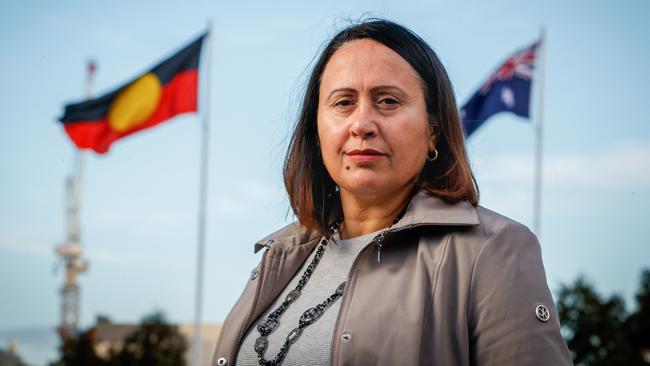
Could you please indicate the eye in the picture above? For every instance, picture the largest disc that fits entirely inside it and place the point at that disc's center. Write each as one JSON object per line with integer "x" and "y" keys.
{"x": 343, "y": 103}
{"x": 389, "y": 102}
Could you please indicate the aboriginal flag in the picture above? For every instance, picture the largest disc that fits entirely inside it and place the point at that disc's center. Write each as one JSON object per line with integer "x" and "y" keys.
{"x": 166, "y": 90}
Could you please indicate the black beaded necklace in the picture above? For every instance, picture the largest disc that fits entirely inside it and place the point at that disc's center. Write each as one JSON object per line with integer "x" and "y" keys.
{"x": 270, "y": 324}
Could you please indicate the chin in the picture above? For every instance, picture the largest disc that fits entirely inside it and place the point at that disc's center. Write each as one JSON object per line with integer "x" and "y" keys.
{"x": 366, "y": 189}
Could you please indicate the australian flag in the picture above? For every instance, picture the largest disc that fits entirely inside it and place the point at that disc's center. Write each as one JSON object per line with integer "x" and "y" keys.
{"x": 506, "y": 90}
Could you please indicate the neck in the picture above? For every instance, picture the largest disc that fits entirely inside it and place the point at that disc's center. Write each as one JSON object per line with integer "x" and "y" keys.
{"x": 364, "y": 215}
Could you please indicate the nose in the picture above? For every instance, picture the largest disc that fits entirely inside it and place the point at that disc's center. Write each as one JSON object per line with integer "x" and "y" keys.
{"x": 363, "y": 124}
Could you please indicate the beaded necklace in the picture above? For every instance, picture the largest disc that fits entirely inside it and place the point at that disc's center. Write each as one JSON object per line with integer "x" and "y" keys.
{"x": 268, "y": 325}
{"x": 271, "y": 322}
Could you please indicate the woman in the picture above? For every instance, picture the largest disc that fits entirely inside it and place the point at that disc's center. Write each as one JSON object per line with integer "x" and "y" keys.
{"x": 392, "y": 261}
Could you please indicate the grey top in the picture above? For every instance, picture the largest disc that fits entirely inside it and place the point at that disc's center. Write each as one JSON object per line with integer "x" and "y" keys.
{"x": 315, "y": 344}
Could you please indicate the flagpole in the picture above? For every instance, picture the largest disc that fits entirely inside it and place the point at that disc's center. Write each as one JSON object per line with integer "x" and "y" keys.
{"x": 80, "y": 154}
{"x": 91, "y": 67}
{"x": 203, "y": 194}
{"x": 539, "y": 137}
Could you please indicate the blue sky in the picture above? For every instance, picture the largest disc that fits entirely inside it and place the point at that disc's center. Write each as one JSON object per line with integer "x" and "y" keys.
{"x": 140, "y": 201}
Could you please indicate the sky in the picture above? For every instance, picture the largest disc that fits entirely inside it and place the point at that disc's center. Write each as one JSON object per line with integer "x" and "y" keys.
{"x": 140, "y": 201}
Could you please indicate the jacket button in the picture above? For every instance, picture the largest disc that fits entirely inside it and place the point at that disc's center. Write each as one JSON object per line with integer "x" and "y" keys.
{"x": 254, "y": 274}
{"x": 346, "y": 337}
{"x": 222, "y": 361}
{"x": 542, "y": 313}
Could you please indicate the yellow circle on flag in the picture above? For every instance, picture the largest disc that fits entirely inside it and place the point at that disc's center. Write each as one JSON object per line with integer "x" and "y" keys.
{"x": 135, "y": 104}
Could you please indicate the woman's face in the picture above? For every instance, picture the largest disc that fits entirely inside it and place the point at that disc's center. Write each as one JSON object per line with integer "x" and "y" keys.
{"x": 372, "y": 120}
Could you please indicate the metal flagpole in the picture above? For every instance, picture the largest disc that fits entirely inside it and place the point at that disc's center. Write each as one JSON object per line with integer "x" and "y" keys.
{"x": 80, "y": 154}
{"x": 90, "y": 79}
{"x": 539, "y": 138}
{"x": 203, "y": 186}
{"x": 74, "y": 224}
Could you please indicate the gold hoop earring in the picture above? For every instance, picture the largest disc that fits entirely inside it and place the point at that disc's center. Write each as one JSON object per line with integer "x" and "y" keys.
{"x": 435, "y": 155}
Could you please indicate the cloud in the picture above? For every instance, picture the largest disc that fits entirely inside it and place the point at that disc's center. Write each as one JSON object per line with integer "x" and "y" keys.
{"x": 247, "y": 196}
{"x": 95, "y": 254}
{"x": 574, "y": 182}
{"x": 230, "y": 205}
{"x": 621, "y": 165}
{"x": 26, "y": 248}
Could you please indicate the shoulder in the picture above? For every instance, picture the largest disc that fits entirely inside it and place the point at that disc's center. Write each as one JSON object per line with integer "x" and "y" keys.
{"x": 291, "y": 235}
{"x": 493, "y": 224}
{"x": 502, "y": 239}
{"x": 491, "y": 229}
{"x": 470, "y": 228}
{"x": 495, "y": 231}
{"x": 506, "y": 252}
{"x": 493, "y": 241}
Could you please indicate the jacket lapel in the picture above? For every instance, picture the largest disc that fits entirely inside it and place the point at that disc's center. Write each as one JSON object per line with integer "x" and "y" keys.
{"x": 423, "y": 209}
{"x": 428, "y": 210}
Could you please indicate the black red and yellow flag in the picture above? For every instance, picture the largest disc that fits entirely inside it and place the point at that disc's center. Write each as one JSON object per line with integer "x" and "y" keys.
{"x": 166, "y": 90}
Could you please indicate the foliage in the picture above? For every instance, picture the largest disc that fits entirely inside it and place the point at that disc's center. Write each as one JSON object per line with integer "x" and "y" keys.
{"x": 153, "y": 343}
{"x": 79, "y": 351}
{"x": 638, "y": 324}
{"x": 598, "y": 330}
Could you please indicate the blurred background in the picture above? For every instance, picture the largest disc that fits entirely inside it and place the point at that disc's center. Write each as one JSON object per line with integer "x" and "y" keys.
{"x": 139, "y": 201}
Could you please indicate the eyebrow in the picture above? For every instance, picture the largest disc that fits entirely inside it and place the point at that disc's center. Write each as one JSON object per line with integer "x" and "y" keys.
{"x": 376, "y": 89}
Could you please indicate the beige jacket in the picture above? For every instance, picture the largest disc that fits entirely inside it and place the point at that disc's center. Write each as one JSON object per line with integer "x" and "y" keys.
{"x": 456, "y": 285}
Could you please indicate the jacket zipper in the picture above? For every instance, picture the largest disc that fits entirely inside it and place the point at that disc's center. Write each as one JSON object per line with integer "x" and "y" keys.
{"x": 378, "y": 241}
{"x": 249, "y": 315}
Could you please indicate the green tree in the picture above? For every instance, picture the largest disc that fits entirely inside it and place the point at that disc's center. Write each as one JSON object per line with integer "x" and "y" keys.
{"x": 595, "y": 327}
{"x": 638, "y": 323}
{"x": 79, "y": 351}
{"x": 154, "y": 343}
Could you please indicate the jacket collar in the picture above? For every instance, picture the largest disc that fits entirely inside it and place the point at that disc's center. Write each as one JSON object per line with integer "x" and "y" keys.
{"x": 423, "y": 210}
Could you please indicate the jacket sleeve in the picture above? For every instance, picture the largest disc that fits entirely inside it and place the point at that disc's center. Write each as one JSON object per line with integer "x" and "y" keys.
{"x": 508, "y": 284}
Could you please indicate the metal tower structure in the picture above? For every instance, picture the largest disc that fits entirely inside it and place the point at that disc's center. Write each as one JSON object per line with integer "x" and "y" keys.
{"x": 70, "y": 251}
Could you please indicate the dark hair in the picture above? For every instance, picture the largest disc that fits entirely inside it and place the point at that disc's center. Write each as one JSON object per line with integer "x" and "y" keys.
{"x": 311, "y": 189}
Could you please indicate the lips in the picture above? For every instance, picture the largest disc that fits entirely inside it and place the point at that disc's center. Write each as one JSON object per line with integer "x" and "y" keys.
{"x": 364, "y": 155}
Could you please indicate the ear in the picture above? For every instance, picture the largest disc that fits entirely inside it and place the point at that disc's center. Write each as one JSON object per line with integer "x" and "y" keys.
{"x": 433, "y": 139}
{"x": 433, "y": 133}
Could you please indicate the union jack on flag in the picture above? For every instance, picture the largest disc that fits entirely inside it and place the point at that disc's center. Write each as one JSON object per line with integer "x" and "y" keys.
{"x": 505, "y": 90}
